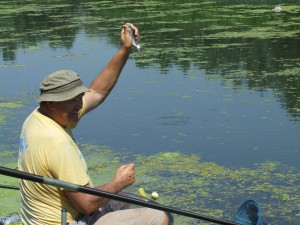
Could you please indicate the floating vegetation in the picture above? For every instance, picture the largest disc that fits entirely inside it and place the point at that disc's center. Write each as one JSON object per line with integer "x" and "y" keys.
{"x": 207, "y": 188}
{"x": 185, "y": 182}
{"x": 245, "y": 45}
{"x": 10, "y": 199}
{"x": 6, "y": 109}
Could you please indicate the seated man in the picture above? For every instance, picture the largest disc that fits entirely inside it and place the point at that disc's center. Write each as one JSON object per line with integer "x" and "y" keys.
{"x": 47, "y": 148}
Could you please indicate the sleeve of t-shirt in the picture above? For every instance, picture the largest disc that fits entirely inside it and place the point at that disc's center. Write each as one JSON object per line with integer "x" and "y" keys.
{"x": 66, "y": 163}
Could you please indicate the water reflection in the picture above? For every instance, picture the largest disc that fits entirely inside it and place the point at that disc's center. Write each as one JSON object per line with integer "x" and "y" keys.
{"x": 248, "y": 45}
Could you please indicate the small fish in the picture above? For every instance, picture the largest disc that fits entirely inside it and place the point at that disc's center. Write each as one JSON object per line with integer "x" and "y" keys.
{"x": 134, "y": 43}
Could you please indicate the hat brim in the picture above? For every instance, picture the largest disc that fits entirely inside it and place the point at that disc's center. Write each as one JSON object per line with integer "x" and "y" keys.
{"x": 63, "y": 96}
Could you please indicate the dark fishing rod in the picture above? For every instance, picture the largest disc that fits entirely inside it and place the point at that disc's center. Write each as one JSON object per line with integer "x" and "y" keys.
{"x": 92, "y": 191}
{"x": 9, "y": 187}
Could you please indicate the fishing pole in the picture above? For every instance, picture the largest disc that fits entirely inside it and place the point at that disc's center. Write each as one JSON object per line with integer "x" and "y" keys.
{"x": 9, "y": 187}
{"x": 92, "y": 191}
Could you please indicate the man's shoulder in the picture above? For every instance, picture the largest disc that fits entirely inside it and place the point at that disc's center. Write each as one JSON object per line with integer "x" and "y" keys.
{"x": 44, "y": 130}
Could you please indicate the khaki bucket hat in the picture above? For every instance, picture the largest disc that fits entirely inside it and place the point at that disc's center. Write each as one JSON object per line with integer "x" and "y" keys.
{"x": 60, "y": 86}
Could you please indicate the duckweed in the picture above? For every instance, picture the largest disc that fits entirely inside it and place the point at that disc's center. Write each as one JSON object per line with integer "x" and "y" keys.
{"x": 186, "y": 182}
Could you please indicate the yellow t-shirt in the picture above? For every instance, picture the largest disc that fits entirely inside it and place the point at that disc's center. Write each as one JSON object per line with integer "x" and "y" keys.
{"x": 46, "y": 149}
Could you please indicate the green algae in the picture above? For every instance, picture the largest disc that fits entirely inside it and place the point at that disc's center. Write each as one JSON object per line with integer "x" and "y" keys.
{"x": 208, "y": 31}
{"x": 10, "y": 199}
{"x": 210, "y": 189}
{"x": 7, "y": 111}
{"x": 10, "y": 105}
{"x": 185, "y": 182}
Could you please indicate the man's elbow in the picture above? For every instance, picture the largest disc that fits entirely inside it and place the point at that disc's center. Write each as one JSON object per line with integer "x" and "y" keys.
{"x": 94, "y": 99}
{"x": 86, "y": 209}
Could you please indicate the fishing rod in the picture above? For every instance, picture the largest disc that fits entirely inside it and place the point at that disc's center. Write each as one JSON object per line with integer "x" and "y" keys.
{"x": 92, "y": 191}
{"x": 9, "y": 187}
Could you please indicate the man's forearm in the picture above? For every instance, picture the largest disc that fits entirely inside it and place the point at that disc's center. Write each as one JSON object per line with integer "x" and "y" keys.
{"x": 108, "y": 77}
{"x": 106, "y": 80}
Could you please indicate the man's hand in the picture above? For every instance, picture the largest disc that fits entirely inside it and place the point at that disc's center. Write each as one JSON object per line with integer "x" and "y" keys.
{"x": 125, "y": 175}
{"x": 86, "y": 203}
{"x": 126, "y": 40}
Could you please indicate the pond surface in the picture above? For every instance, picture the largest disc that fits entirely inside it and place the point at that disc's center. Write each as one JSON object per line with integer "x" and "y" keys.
{"x": 218, "y": 79}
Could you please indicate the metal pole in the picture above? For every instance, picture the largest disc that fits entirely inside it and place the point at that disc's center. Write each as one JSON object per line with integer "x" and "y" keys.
{"x": 63, "y": 217}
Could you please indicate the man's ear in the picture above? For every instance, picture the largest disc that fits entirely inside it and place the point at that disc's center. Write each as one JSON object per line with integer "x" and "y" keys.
{"x": 50, "y": 105}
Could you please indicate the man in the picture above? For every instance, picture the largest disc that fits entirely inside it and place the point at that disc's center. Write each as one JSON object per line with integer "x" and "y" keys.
{"x": 47, "y": 148}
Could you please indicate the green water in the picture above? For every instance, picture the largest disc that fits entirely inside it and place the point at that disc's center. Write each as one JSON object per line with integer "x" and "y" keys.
{"x": 209, "y": 110}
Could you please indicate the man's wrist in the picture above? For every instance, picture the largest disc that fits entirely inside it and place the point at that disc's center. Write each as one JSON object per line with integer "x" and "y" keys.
{"x": 117, "y": 185}
{"x": 126, "y": 51}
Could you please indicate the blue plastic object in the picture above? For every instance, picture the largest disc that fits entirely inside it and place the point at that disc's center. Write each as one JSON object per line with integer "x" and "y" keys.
{"x": 249, "y": 214}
